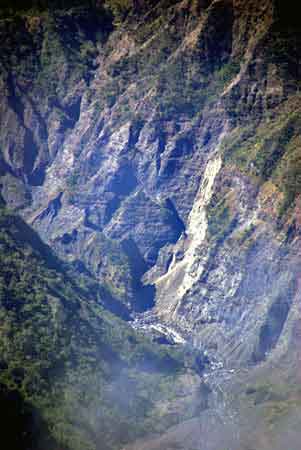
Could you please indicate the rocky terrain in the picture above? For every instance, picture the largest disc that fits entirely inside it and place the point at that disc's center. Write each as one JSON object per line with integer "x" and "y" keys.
{"x": 155, "y": 146}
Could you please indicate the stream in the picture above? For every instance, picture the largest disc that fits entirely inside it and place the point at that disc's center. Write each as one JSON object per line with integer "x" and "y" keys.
{"x": 221, "y": 414}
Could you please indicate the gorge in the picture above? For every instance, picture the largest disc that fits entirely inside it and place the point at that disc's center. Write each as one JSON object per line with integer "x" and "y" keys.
{"x": 150, "y": 174}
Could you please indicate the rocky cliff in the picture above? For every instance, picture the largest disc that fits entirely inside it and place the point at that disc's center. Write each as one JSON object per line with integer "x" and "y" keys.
{"x": 157, "y": 146}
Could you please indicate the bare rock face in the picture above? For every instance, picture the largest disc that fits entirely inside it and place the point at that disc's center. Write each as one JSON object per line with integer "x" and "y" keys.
{"x": 158, "y": 147}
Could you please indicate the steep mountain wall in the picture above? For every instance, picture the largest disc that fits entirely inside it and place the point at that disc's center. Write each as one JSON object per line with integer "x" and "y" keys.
{"x": 158, "y": 146}
{"x": 164, "y": 143}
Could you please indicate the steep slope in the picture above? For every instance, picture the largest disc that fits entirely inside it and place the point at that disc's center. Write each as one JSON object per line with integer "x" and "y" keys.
{"x": 189, "y": 173}
{"x": 158, "y": 146}
{"x": 90, "y": 379}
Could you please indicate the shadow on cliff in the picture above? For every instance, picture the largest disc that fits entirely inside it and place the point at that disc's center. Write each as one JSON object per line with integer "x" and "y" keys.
{"x": 144, "y": 296}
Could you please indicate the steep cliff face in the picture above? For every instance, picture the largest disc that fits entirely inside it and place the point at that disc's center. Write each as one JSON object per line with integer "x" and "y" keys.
{"x": 158, "y": 145}
{"x": 168, "y": 138}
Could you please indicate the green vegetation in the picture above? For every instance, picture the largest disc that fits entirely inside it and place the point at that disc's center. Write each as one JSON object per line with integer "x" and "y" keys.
{"x": 92, "y": 380}
{"x": 226, "y": 74}
{"x": 181, "y": 86}
{"x": 114, "y": 271}
{"x": 51, "y": 45}
{"x": 180, "y": 92}
{"x": 289, "y": 175}
{"x": 270, "y": 152}
{"x": 177, "y": 94}
{"x": 244, "y": 237}
{"x": 218, "y": 218}
{"x": 119, "y": 8}
{"x": 277, "y": 401}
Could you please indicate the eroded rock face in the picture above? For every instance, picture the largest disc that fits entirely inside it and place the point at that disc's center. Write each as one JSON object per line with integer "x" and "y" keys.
{"x": 185, "y": 271}
{"x": 163, "y": 151}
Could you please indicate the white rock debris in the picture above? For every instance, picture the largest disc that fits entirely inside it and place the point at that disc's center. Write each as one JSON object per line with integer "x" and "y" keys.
{"x": 183, "y": 273}
{"x": 197, "y": 226}
{"x": 149, "y": 324}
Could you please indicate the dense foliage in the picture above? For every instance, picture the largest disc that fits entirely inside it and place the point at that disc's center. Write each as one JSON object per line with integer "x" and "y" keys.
{"x": 86, "y": 373}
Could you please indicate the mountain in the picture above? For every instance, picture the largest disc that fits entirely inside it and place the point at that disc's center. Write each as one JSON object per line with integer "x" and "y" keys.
{"x": 155, "y": 147}
{"x": 72, "y": 374}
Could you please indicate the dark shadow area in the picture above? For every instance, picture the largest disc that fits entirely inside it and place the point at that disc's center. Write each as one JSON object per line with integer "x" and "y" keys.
{"x": 273, "y": 326}
{"x": 4, "y": 167}
{"x": 23, "y": 235}
{"x": 174, "y": 219}
{"x": 135, "y": 131}
{"x": 286, "y": 15}
{"x": 73, "y": 110}
{"x": 37, "y": 176}
{"x": 111, "y": 207}
{"x": 30, "y": 149}
{"x": 183, "y": 147}
{"x": 137, "y": 263}
{"x": 121, "y": 185}
{"x": 143, "y": 295}
{"x": 115, "y": 306}
{"x": 68, "y": 238}
{"x": 218, "y": 38}
{"x": 124, "y": 180}
{"x": 150, "y": 362}
{"x": 22, "y": 427}
{"x": 53, "y": 208}
{"x": 88, "y": 222}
